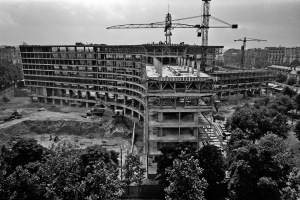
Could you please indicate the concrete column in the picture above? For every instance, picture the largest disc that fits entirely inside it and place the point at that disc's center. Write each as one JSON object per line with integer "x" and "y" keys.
{"x": 160, "y": 116}
{"x": 86, "y": 105}
{"x": 105, "y": 97}
{"x": 195, "y": 131}
{"x": 188, "y": 65}
{"x": 132, "y": 103}
{"x": 198, "y": 69}
{"x": 132, "y": 114}
{"x": 53, "y": 101}
{"x": 160, "y": 132}
{"x": 193, "y": 66}
{"x": 196, "y": 117}
{"x": 116, "y": 98}
{"x": 61, "y": 102}
{"x": 160, "y": 68}
{"x": 125, "y": 100}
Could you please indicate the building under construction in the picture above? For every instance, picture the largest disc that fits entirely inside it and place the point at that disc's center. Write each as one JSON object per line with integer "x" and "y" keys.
{"x": 160, "y": 85}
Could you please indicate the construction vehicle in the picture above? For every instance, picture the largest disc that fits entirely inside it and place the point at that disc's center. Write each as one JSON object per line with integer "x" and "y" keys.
{"x": 100, "y": 107}
{"x": 14, "y": 115}
{"x": 98, "y": 111}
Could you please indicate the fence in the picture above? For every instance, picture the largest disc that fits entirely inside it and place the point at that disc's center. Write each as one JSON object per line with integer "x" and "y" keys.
{"x": 144, "y": 192}
{"x": 157, "y": 192}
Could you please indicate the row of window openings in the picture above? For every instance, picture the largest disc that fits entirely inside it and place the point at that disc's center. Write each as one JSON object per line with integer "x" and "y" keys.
{"x": 85, "y": 56}
{"x": 109, "y": 83}
{"x": 82, "y": 62}
{"x": 78, "y": 74}
{"x": 83, "y": 87}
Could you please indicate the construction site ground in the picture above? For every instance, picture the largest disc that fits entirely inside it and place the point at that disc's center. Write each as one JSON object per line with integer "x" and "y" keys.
{"x": 68, "y": 125}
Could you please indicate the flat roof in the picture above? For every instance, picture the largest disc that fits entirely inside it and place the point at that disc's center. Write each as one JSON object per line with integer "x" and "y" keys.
{"x": 173, "y": 71}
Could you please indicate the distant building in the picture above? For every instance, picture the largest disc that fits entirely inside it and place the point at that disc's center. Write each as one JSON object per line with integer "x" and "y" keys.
{"x": 232, "y": 57}
{"x": 256, "y": 57}
{"x": 10, "y": 53}
{"x": 276, "y": 55}
{"x": 292, "y": 54}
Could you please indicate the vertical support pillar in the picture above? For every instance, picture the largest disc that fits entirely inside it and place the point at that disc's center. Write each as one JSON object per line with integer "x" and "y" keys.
{"x": 125, "y": 100}
{"x": 160, "y": 68}
{"x": 105, "y": 97}
{"x": 195, "y": 131}
{"x": 61, "y": 102}
{"x": 188, "y": 65}
{"x": 86, "y": 104}
{"x": 160, "y": 117}
{"x": 196, "y": 117}
{"x": 193, "y": 67}
{"x": 116, "y": 98}
{"x": 198, "y": 69}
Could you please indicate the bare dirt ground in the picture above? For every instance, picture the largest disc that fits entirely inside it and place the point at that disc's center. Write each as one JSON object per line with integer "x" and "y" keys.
{"x": 68, "y": 124}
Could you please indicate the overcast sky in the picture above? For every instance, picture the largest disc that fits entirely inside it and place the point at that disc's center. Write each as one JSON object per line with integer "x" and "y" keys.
{"x": 64, "y": 22}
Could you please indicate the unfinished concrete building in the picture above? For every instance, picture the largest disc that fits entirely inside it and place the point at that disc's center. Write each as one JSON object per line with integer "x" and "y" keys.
{"x": 160, "y": 85}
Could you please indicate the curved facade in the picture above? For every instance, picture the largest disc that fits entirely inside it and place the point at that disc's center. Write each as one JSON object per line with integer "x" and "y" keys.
{"x": 160, "y": 85}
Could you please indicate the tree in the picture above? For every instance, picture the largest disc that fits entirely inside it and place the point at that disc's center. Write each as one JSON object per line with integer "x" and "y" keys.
{"x": 22, "y": 185}
{"x": 65, "y": 176}
{"x": 213, "y": 164}
{"x": 133, "y": 170}
{"x": 9, "y": 72}
{"x": 103, "y": 183}
{"x": 292, "y": 189}
{"x": 297, "y": 130}
{"x": 291, "y": 81}
{"x": 295, "y": 63}
{"x": 257, "y": 122}
{"x": 169, "y": 154}
{"x": 259, "y": 171}
{"x": 282, "y": 104}
{"x": 288, "y": 91}
{"x": 61, "y": 173}
{"x": 94, "y": 153}
{"x": 184, "y": 178}
{"x": 281, "y": 78}
{"x": 297, "y": 101}
{"x": 22, "y": 152}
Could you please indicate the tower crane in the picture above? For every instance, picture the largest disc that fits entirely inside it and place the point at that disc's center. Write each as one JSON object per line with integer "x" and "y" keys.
{"x": 168, "y": 24}
{"x": 243, "y": 48}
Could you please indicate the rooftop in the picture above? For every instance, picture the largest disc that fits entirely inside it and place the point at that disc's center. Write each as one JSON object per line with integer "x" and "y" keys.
{"x": 173, "y": 71}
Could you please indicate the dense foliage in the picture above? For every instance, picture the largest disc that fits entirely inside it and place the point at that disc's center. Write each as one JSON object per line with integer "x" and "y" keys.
{"x": 281, "y": 78}
{"x": 29, "y": 171}
{"x": 291, "y": 81}
{"x": 133, "y": 170}
{"x": 259, "y": 171}
{"x": 258, "y": 122}
{"x": 209, "y": 159}
{"x": 9, "y": 72}
{"x": 185, "y": 179}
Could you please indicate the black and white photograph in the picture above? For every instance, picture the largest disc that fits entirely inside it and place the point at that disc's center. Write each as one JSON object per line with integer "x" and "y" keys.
{"x": 150, "y": 100}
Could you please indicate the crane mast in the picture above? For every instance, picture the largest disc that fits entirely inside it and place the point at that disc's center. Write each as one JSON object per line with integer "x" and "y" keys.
{"x": 205, "y": 23}
{"x": 168, "y": 28}
{"x": 168, "y": 25}
{"x": 243, "y": 48}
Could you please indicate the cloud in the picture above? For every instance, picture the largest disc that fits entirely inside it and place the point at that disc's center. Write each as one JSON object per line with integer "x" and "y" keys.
{"x": 6, "y": 21}
{"x": 67, "y": 21}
